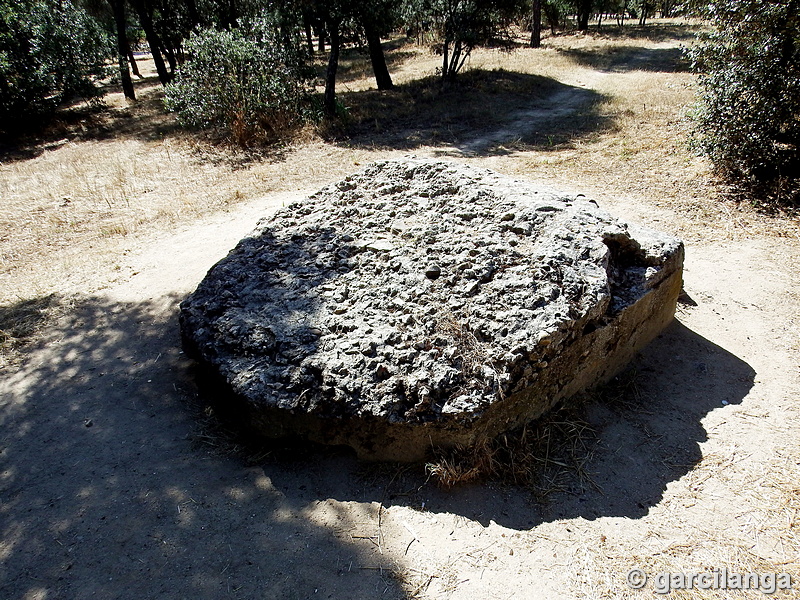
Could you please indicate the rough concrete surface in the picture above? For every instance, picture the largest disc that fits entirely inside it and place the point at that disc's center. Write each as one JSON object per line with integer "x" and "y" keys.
{"x": 421, "y": 303}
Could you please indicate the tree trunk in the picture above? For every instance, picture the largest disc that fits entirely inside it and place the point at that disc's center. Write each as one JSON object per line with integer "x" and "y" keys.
{"x": 118, "y": 6}
{"x": 194, "y": 15}
{"x": 146, "y": 21}
{"x": 172, "y": 59}
{"x": 788, "y": 41}
{"x": 376, "y": 55}
{"x": 643, "y": 16}
{"x": 584, "y": 12}
{"x": 333, "y": 66}
{"x": 322, "y": 33}
{"x": 132, "y": 62}
{"x": 551, "y": 12}
{"x": 445, "y": 62}
{"x": 233, "y": 13}
{"x": 536, "y": 28}
{"x": 307, "y": 28}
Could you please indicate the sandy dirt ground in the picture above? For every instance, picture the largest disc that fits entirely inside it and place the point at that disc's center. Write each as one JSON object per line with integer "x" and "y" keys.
{"x": 112, "y": 488}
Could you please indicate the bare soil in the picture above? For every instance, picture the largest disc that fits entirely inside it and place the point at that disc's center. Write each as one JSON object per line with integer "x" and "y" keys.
{"x": 117, "y": 482}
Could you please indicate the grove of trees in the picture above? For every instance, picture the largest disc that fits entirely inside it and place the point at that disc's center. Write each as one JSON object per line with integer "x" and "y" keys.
{"x": 54, "y": 50}
{"x": 245, "y": 66}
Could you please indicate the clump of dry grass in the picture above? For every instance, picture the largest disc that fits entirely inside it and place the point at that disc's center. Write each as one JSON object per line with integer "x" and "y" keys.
{"x": 469, "y": 354}
{"x": 463, "y": 465}
{"x": 545, "y": 456}
{"x": 21, "y": 322}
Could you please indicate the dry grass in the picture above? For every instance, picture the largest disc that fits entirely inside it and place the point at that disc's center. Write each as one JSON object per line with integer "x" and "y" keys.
{"x": 764, "y": 538}
{"x": 547, "y": 456}
{"x": 73, "y": 207}
{"x": 21, "y": 321}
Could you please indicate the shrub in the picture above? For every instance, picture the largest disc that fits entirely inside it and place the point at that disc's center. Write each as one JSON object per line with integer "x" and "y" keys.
{"x": 49, "y": 52}
{"x": 748, "y": 117}
{"x": 247, "y": 81}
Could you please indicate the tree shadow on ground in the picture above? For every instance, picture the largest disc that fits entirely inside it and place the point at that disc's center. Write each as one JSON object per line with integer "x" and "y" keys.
{"x": 118, "y": 482}
{"x": 623, "y": 59}
{"x": 20, "y": 321}
{"x": 654, "y": 32}
{"x": 478, "y": 113}
{"x": 611, "y": 455}
{"x": 108, "y": 490}
{"x": 145, "y": 119}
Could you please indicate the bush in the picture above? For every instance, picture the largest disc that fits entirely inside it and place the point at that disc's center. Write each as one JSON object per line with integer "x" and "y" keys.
{"x": 748, "y": 117}
{"x": 246, "y": 81}
{"x": 49, "y": 52}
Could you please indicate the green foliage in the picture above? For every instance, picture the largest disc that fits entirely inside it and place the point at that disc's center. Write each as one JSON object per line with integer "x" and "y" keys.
{"x": 384, "y": 15}
{"x": 748, "y": 118}
{"x": 463, "y": 25}
{"x": 249, "y": 81}
{"x": 49, "y": 52}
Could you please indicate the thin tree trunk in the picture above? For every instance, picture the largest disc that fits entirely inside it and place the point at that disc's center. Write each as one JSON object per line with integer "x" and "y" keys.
{"x": 445, "y": 63}
{"x": 146, "y": 21}
{"x": 132, "y": 62}
{"x": 194, "y": 15}
{"x": 172, "y": 59}
{"x": 322, "y": 33}
{"x": 788, "y": 42}
{"x": 376, "y": 55}
{"x": 536, "y": 28}
{"x": 465, "y": 52}
{"x": 454, "y": 56}
{"x": 118, "y": 6}
{"x": 551, "y": 13}
{"x": 333, "y": 66}
{"x": 233, "y": 13}
{"x": 307, "y": 29}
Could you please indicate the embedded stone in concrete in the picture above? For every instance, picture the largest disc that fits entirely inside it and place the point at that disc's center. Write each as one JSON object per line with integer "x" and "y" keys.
{"x": 421, "y": 303}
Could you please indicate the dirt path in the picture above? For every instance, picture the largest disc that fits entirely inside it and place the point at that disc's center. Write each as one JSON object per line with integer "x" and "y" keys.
{"x": 110, "y": 489}
{"x": 564, "y": 103}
